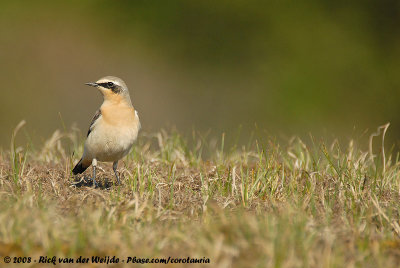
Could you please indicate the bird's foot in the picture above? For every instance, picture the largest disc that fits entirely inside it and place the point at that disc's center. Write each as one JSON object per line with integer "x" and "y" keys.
{"x": 118, "y": 180}
{"x": 95, "y": 184}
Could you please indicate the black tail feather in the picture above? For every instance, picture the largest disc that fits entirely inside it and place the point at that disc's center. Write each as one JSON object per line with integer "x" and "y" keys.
{"x": 79, "y": 168}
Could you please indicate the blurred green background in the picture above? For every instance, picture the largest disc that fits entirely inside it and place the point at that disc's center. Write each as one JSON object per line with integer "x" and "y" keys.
{"x": 289, "y": 67}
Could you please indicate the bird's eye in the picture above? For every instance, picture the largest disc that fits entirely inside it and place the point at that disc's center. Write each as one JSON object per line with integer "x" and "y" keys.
{"x": 110, "y": 84}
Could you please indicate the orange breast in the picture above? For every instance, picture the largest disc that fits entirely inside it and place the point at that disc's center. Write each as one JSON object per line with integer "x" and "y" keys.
{"x": 118, "y": 115}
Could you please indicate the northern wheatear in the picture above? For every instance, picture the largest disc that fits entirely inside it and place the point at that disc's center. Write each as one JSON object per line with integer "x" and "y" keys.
{"x": 114, "y": 127}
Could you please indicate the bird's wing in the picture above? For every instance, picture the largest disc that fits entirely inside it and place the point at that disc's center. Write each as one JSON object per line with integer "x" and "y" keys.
{"x": 96, "y": 116}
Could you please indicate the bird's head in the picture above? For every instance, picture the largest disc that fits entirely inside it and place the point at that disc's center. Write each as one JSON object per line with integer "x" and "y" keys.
{"x": 112, "y": 88}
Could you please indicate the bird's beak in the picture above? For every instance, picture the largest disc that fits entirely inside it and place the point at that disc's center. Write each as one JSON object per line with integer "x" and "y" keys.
{"x": 91, "y": 84}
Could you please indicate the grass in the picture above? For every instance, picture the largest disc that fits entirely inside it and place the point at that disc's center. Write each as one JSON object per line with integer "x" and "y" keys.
{"x": 260, "y": 205}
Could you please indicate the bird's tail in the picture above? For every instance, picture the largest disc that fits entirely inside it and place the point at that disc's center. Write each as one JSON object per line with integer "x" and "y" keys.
{"x": 80, "y": 167}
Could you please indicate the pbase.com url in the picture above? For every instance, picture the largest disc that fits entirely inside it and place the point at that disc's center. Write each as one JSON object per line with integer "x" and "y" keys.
{"x": 167, "y": 260}
{"x": 102, "y": 260}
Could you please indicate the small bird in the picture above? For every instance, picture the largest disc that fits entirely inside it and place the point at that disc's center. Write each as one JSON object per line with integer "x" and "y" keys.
{"x": 114, "y": 127}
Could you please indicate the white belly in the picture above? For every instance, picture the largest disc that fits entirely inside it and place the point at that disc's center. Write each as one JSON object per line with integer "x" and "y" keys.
{"x": 109, "y": 143}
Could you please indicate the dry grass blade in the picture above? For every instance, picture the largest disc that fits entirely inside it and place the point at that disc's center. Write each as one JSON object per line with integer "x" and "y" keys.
{"x": 376, "y": 134}
{"x": 269, "y": 205}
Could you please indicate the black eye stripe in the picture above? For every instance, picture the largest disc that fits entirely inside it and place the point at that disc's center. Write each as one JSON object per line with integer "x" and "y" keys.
{"x": 107, "y": 85}
{"x": 115, "y": 88}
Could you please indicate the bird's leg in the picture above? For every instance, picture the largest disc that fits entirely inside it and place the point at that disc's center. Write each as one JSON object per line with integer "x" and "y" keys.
{"x": 94, "y": 164}
{"x": 115, "y": 165}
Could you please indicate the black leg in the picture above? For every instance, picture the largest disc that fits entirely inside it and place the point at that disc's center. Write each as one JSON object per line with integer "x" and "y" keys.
{"x": 115, "y": 165}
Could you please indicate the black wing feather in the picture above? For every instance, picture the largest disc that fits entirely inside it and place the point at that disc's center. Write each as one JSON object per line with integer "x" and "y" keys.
{"x": 95, "y": 117}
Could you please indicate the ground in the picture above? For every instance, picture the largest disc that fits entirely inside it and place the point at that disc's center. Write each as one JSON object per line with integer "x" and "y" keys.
{"x": 294, "y": 204}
